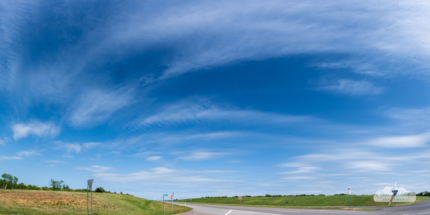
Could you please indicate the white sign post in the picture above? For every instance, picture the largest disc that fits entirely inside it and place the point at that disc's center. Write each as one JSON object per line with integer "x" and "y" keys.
{"x": 171, "y": 197}
{"x": 349, "y": 193}
{"x": 90, "y": 187}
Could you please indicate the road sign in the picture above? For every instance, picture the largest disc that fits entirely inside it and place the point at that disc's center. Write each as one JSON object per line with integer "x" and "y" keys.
{"x": 240, "y": 197}
{"x": 90, "y": 184}
{"x": 165, "y": 195}
{"x": 171, "y": 196}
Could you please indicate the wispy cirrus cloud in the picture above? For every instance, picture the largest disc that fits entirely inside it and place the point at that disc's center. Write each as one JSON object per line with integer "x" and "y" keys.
{"x": 96, "y": 168}
{"x": 53, "y": 161}
{"x": 27, "y": 153}
{"x": 408, "y": 141}
{"x": 154, "y": 158}
{"x": 190, "y": 111}
{"x": 157, "y": 175}
{"x": 97, "y": 106}
{"x": 75, "y": 147}
{"x": 21, "y": 130}
{"x": 10, "y": 158}
{"x": 352, "y": 87}
{"x": 201, "y": 155}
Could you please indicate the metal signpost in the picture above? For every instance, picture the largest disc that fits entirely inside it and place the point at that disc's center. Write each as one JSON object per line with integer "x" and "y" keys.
{"x": 349, "y": 192}
{"x": 90, "y": 187}
{"x": 164, "y": 209}
{"x": 240, "y": 200}
{"x": 171, "y": 197}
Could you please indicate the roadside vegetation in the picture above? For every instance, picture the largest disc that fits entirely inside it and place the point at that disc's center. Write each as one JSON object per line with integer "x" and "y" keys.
{"x": 301, "y": 200}
{"x": 58, "y": 202}
{"x": 60, "y": 199}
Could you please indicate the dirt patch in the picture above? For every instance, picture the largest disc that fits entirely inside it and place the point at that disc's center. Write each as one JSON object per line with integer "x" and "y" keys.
{"x": 50, "y": 199}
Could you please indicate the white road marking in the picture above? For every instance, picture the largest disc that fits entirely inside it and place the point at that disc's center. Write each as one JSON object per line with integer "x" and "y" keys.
{"x": 417, "y": 213}
{"x": 228, "y": 212}
{"x": 250, "y": 212}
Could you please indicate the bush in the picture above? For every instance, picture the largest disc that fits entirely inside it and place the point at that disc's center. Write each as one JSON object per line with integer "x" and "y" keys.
{"x": 425, "y": 193}
{"x": 100, "y": 190}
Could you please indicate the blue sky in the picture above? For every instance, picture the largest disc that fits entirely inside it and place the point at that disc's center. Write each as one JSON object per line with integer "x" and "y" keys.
{"x": 206, "y": 98}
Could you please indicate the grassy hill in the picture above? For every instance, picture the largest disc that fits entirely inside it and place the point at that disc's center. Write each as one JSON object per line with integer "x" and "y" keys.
{"x": 62, "y": 202}
{"x": 302, "y": 201}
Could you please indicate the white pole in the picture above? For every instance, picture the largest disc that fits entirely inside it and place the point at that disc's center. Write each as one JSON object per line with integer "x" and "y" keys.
{"x": 349, "y": 192}
{"x": 88, "y": 210}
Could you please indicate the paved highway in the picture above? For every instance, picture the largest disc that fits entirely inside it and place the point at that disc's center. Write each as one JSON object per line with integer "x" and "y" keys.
{"x": 422, "y": 208}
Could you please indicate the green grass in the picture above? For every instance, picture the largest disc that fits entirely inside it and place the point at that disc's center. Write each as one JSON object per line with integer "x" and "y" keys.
{"x": 302, "y": 201}
{"x": 61, "y": 202}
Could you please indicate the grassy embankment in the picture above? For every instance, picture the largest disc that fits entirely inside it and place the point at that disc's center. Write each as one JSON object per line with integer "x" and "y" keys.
{"x": 302, "y": 201}
{"x": 61, "y": 202}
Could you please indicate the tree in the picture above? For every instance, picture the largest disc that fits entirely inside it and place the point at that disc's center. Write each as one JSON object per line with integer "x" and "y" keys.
{"x": 56, "y": 184}
{"x": 14, "y": 181}
{"x": 100, "y": 190}
{"x": 9, "y": 179}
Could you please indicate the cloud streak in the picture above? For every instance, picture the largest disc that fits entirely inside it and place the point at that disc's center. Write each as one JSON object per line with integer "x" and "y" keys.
{"x": 75, "y": 147}
{"x": 351, "y": 87}
{"x": 40, "y": 129}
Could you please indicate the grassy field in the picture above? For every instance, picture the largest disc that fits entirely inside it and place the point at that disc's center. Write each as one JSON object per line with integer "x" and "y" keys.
{"x": 302, "y": 201}
{"x": 60, "y": 202}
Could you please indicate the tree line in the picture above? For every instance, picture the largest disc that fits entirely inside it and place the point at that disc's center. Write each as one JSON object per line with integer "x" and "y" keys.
{"x": 9, "y": 181}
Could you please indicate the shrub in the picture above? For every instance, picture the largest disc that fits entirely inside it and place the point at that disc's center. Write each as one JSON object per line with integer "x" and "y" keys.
{"x": 100, "y": 190}
{"x": 425, "y": 193}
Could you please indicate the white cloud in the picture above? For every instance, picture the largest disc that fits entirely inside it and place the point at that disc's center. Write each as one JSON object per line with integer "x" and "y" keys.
{"x": 75, "y": 147}
{"x": 156, "y": 175}
{"x": 201, "y": 155}
{"x": 53, "y": 161}
{"x": 34, "y": 128}
{"x": 299, "y": 178}
{"x": 143, "y": 154}
{"x": 420, "y": 140}
{"x": 10, "y": 158}
{"x": 301, "y": 170}
{"x": 97, "y": 106}
{"x": 351, "y": 87}
{"x": 96, "y": 168}
{"x": 154, "y": 158}
{"x": 369, "y": 166}
{"x": 27, "y": 153}
{"x": 199, "y": 111}
{"x": 2, "y": 142}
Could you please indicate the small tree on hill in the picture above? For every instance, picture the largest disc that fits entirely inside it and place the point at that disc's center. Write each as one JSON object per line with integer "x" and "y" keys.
{"x": 56, "y": 185}
{"x": 100, "y": 190}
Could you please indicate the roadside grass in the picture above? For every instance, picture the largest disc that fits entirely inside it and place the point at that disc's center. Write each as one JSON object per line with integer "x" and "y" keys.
{"x": 316, "y": 202}
{"x": 61, "y": 202}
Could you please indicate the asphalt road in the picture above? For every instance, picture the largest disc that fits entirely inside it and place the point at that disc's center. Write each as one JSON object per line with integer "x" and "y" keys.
{"x": 422, "y": 208}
